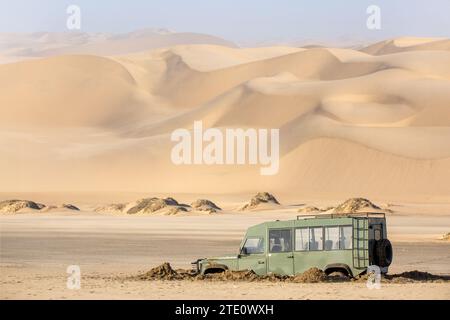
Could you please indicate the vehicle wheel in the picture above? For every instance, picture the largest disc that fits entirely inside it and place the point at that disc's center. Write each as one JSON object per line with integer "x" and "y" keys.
{"x": 214, "y": 270}
{"x": 339, "y": 275}
{"x": 383, "y": 253}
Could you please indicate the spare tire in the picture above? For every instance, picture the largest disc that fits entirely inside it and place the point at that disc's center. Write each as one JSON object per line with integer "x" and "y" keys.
{"x": 383, "y": 253}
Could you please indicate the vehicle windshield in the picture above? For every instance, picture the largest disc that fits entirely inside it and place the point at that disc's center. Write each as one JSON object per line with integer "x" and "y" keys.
{"x": 253, "y": 245}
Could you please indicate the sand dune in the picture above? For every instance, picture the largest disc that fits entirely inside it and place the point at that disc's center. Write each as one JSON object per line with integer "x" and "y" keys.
{"x": 407, "y": 44}
{"x": 27, "y": 206}
{"x": 20, "y": 46}
{"x": 372, "y": 123}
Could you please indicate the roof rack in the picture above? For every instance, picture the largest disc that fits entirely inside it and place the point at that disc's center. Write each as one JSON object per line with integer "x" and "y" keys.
{"x": 343, "y": 215}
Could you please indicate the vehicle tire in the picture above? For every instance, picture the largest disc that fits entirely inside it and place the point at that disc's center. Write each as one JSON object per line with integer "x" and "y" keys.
{"x": 339, "y": 275}
{"x": 214, "y": 270}
{"x": 383, "y": 253}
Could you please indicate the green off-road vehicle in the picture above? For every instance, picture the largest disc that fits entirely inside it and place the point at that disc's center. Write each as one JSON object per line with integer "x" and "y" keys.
{"x": 345, "y": 244}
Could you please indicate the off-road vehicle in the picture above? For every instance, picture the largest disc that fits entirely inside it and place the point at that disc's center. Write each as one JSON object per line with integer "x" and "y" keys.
{"x": 344, "y": 243}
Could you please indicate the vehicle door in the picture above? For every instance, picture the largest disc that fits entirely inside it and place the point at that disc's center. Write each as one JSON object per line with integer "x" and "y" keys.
{"x": 376, "y": 233}
{"x": 253, "y": 256}
{"x": 280, "y": 256}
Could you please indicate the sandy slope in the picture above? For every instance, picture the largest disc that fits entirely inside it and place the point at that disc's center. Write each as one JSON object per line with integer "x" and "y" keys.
{"x": 373, "y": 123}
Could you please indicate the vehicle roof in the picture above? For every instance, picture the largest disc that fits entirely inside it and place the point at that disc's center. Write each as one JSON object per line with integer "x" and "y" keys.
{"x": 317, "y": 220}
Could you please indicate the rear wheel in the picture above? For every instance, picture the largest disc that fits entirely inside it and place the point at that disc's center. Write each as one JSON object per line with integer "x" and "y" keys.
{"x": 338, "y": 273}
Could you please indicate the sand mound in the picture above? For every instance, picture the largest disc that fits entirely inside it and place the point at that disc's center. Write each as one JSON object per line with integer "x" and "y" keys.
{"x": 244, "y": 275}
{"x": 420, "y": 276}
{"x": 205, "y": 205}
{"x": 151, "y": 205}
{"x": 355, "y": 205}
{"x": 162, "y": 272}
{"x": 13, "y": 206}
{"x": 260, "y": 198}
{"x": 166, "y": 272}
{"x": 62, "y": 207}
{"x": 311, "y": 209}
{"x": 446, "y": 237}
{"x": 168, "y": 206}
{"x": 70, "y": 207}
{"x": 311, "y": 276}
{"x": 112, "y": 208}
{"x": 173, "y": 211}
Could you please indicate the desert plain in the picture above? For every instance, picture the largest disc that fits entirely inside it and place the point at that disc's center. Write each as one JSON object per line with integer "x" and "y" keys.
{"x": 87, "y": 121}
{"x": 37, "y": 248}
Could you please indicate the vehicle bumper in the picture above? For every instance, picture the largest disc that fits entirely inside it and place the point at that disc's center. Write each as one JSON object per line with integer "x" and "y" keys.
{"x": 196, "y": 266}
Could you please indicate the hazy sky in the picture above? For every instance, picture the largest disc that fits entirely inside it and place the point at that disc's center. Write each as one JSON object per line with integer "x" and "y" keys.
{"x": 239, "y": 21}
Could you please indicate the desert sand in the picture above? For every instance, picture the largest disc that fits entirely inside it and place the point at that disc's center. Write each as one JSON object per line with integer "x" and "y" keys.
{"x": 86, "y": 120}
{"x": 37, "y": 248}
{"x": 372, "y": 123}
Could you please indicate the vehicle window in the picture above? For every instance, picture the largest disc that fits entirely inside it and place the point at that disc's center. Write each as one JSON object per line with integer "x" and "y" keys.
{"x": 302, "y": 239}
{"x": 345, "y": 237}
{"x": 280, "y": 240}
{"x": 315, "y": 238}
{"x": 331, "y": 238}
{"x": 377, "y": 234}
{"x": 254, "y": 245}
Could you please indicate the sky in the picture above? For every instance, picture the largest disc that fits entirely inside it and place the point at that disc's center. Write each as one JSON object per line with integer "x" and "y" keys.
{"x": 243, "y": 21}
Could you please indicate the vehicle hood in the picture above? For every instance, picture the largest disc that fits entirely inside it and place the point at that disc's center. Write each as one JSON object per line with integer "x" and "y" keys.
{"x": 221, "y": 258}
